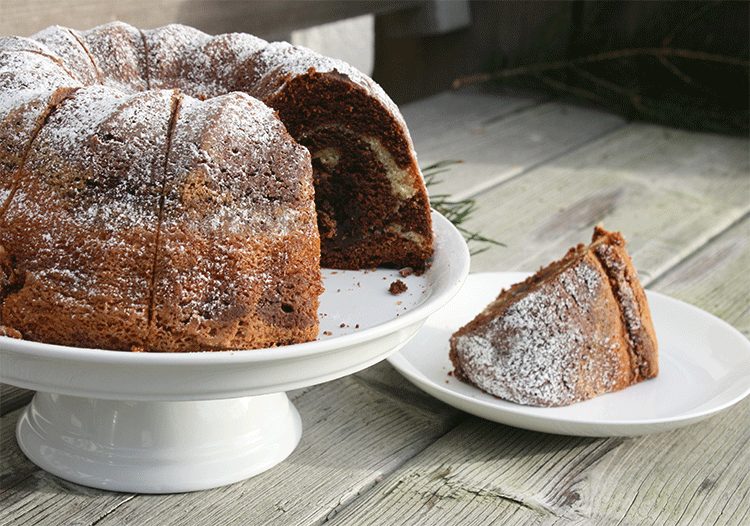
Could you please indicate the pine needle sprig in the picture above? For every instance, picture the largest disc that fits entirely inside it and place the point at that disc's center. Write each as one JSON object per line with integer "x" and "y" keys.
{"x": 457, "y": 212}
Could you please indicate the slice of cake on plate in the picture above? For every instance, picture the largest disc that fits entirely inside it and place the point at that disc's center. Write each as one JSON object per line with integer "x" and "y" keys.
{"x": 578, "y": 328}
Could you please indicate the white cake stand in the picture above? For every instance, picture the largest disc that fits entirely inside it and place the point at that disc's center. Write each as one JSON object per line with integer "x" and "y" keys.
{"x": 163, "y": 423}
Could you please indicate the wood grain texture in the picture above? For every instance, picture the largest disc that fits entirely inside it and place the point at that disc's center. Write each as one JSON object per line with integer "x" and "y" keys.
{"x": 482, "y": 473}
{"x": 12, "y": 398}
{"x": 485, "y": 473}
{"x": 715, "y": 277}
{"x": 668, "y": 192}
{"x": 499, "y": 139}
{"x": 353, "y": 435}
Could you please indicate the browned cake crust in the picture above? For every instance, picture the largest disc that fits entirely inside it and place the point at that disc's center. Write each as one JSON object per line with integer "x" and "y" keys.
{"x": 80, "y": 227}
{"x": 265, "y": 290}
{"x": 157, "y": 241}
{"x": 150, "y": 203}
{"x": 578, "y": 328}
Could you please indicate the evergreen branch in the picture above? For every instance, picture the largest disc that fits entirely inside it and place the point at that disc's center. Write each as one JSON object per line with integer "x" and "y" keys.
{"x": 635, "y": 99}
{"x": 674, "y": 69}
{"x": 457, "y": 212}
{"x": 659, "y": 52}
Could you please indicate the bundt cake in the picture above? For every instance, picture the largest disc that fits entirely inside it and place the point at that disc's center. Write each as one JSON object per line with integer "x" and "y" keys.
{"x": 578, "y": 328}
{"x": 153, "y": 198}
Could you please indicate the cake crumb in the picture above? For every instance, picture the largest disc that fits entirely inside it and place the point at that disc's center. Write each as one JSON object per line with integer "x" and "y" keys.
{"x": 397, "y": 287}
{"x": 407, "y": 271}
{"x": 10, "y": 332}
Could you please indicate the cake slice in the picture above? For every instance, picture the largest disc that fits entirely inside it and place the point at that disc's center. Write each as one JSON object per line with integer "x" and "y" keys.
{"x": 578, "y": 328}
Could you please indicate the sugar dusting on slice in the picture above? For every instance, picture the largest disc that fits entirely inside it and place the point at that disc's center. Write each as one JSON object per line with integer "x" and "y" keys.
{"x": 530, "y": 353}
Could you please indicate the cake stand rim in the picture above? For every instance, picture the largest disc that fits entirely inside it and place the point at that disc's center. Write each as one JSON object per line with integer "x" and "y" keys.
{"x": 56, "y": 369}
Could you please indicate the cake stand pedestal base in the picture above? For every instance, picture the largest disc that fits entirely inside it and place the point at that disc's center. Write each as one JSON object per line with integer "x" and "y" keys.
{"x": 158, "y": 446}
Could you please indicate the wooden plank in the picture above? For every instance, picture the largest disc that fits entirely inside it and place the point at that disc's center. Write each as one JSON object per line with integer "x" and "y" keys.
{"x": 355, "y": 431}
{"x": 13, "y": 464}
{"x": 448, "y": 118}
{"x": 259, "y": 17}
{"x": 716, "y": 277}
{"x": 487, "y": 473}
{"x": 377, "y": 450}
{"x": 669, "y": 192}
{"x": 497, "y": 138}
{"x": 527, "y": 478}
{"x": 29, "y": 495}
{"x": 12, "y": 398}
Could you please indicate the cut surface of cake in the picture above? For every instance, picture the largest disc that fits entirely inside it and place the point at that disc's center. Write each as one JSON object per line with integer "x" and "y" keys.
{"x": 168, "y": 190}
{"x": 578, "y": 328}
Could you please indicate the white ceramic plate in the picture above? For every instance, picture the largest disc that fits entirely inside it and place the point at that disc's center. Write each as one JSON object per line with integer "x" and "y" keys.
{"x": 704, "y": 368}
{"x": 361, "y": 324}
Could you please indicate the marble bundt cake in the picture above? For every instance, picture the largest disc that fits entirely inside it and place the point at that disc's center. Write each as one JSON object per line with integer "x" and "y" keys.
{"x": 152, "y": 199}
{"x": 578, "y": 328}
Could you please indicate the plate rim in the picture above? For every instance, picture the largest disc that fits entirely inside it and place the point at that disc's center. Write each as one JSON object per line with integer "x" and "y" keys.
{"x": 534, "y": 418}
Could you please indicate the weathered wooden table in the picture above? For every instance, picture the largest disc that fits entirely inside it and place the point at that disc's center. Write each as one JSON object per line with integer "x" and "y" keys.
{"x": 377, "y": 450}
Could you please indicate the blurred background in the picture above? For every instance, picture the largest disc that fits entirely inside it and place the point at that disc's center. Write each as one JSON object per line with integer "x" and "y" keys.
{"x": 679, "y": 63}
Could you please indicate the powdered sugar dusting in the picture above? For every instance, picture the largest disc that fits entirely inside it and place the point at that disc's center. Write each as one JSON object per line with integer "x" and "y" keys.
{"x": 87, "y": 217}
{"x": 535, "y": 350}
{"x": 102, "y": 149}
{"x": 299, "y": 60}
{"x": 84, "y": 220}
{"x": 243, "y": 188}
{"x": 28, "y": 82}
{"x": 177, "y": 56}
{"x": 197, "y": 64}
{"x": 236, "y": 210}
{"x": 285, "y": 60}
{"x": 13, "y": 43}
{"x": 63, "y": 44}
{"x": 19, "y": 103}
{"x": 167, "y": 48}
{"x": 28, "y": 76}
{"x": 118, "y": 51}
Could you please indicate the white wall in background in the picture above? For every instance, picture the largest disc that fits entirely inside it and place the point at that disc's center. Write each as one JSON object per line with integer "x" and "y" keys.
{"x": 351, "y": 40}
